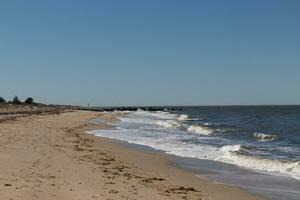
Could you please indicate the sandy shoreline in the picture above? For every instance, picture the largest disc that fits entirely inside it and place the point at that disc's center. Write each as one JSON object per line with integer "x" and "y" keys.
{"x": 52, "y": 157}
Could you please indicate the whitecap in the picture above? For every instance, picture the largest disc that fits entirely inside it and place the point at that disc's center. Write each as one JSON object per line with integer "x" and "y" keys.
{"x": 231, "y": 155}
{"x": 183, "y": 117}
{"x": 201, "y": 130}
{"x": 231, "y": 148}
{"x": 168, "y": 123}
{"x": 264, "y": 137}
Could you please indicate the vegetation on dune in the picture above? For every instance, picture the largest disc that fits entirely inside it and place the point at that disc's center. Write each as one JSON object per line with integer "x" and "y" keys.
{"x": 2, "y": 100}
{"x": 29, "y": 100}
{"x": 16, "y": 100}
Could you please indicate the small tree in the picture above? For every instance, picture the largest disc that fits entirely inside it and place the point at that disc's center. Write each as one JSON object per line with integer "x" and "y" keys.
{"x": 16, "y": 100}
{"x": 29, "y": 100}
{"x": 2, "y": 100}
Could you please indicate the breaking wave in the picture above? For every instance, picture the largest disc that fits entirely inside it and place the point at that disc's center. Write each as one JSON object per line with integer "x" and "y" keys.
{"x": 264, "y": 137}
{"x": 201, "y": 130}
{"x": 179, "y": 135}
{"x": 168, "y": 123}
{"x": 183, "y": 117}
{"x": 232, "y": 154}
{"x": 231, "y": 148}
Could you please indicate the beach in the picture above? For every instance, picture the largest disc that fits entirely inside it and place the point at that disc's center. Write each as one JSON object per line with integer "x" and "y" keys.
{"x": 51, "y": 156}
{"x": 150, "y": 100}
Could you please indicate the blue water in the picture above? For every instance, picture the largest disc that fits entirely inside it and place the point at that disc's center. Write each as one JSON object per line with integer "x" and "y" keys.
{"x": 254, "y": 147}
{"x": 238, "y": 124}
{"x": 263, "y": 138}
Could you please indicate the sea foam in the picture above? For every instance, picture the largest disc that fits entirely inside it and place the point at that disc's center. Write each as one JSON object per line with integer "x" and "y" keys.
{"x": 183, "y": 117}
{"x": 201, "y": 130}
{"x": 168, "y": 123}
{"x": 264, "y": 137}
{"x": 232, "y": 155}
{"x": 231, "y": 148}
{"x": 144, "y": 128}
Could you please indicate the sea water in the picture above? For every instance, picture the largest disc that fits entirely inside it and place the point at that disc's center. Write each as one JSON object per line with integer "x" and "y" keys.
{"x": 265, "y": 139}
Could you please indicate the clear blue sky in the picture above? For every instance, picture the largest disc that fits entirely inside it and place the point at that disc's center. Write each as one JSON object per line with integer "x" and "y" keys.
{"x": 138, "y": 52}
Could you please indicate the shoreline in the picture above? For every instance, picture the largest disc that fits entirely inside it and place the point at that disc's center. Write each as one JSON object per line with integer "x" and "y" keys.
{"x": 192, "y": 178}
{"x": 272, "y": 185}
{"x": 165, "y": 162}
{"x": 52, "y": 157}
{"x": 215, "y": 172}
{"x": 261, "y": 183}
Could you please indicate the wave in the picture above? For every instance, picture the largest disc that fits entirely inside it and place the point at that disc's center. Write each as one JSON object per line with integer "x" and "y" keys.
{"x": 168, "y": 123}
{"x": 201, "y": 130}
{"x": 163, "y": 115}
{"x": 145, "y": 129}
{"x": 264, "y": 137}
{"x": 137, "y": 120}
{"x": 231, "y": 154}
{"x": 231, "y": 148}
{"x": 183, "y": 117}
{"x": 207, "y": 124}
{"x": 157, "y": 114}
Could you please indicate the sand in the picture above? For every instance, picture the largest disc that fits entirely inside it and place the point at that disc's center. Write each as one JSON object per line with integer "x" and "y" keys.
{"x": 51, "y": 156}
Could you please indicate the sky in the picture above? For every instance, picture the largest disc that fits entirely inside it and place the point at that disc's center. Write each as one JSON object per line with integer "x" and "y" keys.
{"x": 151, "y": 52}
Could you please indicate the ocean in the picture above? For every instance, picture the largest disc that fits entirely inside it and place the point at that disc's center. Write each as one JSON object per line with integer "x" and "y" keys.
{"x": 264, "y": 139}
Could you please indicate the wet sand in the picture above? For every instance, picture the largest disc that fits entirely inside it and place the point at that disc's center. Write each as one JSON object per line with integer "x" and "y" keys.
{"x": 52, "y": 157}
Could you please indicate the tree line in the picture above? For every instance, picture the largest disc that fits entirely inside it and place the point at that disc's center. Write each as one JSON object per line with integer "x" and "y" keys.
{"x": 16, "y": 100}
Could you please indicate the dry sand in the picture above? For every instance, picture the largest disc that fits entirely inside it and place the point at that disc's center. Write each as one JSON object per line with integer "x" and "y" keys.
{"x": 51, "y": 157}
